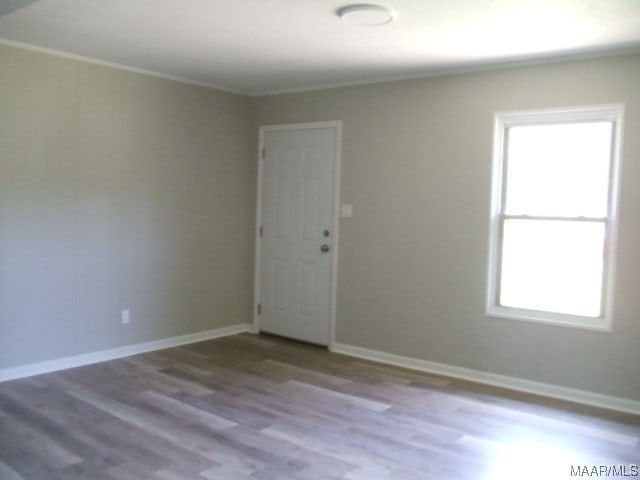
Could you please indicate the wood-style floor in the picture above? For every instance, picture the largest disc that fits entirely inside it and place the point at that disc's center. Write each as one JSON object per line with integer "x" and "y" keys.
{"x": 265, "y": 408}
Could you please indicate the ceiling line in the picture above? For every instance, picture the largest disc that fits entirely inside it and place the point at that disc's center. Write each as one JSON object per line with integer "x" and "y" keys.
{"x": 499, "y": 65}
{"x": 117, "y": 66}
{"x": 462, "y": 69}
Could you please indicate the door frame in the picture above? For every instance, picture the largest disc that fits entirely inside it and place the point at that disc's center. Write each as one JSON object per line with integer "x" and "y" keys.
{"x": 337, "y": 126}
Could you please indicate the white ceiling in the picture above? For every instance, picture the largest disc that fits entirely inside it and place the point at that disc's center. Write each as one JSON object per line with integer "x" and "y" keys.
{"x": 263, "y": 46}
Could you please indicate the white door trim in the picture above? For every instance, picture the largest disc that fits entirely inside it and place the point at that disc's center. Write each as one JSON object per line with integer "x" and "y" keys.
{"x": 337, "y": 125}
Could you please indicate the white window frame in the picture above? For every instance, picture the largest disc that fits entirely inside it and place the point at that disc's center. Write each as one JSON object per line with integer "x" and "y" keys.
{"x": 504, "y": 120}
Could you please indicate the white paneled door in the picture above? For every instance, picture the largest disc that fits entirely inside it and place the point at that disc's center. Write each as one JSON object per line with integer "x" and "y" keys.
{"x": 298, "y": 237}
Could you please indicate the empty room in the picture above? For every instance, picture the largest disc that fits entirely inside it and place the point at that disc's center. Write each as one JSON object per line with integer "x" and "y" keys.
{"x": 267, "y": 239}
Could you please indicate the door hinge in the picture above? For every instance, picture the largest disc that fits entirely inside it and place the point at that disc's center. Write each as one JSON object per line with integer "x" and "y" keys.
{"x": 259, "y": 308}
{"x": 264, "y": 153}
{"x": 261, "y": 232}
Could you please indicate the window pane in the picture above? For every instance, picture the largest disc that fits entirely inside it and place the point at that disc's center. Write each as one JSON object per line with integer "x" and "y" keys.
{"x": 553, "y": 266}
{"x": 559, "y": 170}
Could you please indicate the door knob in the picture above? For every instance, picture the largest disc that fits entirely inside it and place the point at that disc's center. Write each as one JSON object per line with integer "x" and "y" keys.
{"x": 324, "y": 248}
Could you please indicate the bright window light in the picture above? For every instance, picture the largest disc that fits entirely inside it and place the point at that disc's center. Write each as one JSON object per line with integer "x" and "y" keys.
{"x": 554, "y": 217}
{"x": 552, "y": 266}
{"x": 533, "y": 460}
{"x": 559, "y": 170}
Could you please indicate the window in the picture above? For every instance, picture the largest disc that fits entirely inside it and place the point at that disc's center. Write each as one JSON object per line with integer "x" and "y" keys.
{"x": 553, "y": 217}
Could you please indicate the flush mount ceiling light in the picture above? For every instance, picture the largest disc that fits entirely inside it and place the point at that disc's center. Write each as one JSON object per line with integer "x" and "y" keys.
{"x": 366, "y": 15}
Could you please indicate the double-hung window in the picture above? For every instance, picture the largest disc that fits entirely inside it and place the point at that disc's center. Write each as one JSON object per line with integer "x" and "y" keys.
{"x": 553, "y": 217}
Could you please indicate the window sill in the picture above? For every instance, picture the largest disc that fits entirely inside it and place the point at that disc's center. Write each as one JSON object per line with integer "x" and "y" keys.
{"x": 599, "y": 324}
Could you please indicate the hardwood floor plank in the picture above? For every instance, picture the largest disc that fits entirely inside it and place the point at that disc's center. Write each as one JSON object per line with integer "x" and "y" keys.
{"x": 177, "y": 384}
{"x": 164, "y": 427}
{"x": 293, "y": 372}
{"x": 131, "y": 471}
{"x": 296, "y": 388}
{"x": 332, "y": 442}
{"x": 222, "y": 472}
{"x": 369, "y": 474}
{"x": 233, "y": 443}
{"x": 294, "y": 455}
{"x": 261, "y": 407}
{"x": 184, "y": 412}
{"x": 31, "y": 454}
{"x": 8, "y": 473}
{"x": 176, "y": 472}
{"x": 58, "y": 428}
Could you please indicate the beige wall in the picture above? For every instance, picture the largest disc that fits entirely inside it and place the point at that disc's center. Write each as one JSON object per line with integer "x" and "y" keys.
{"x": 118, "y": 190}
{"x": 413, "y": 259}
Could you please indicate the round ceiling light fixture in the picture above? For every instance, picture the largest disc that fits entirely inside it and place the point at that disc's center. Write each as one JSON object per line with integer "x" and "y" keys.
{"x": 366, "y": 15}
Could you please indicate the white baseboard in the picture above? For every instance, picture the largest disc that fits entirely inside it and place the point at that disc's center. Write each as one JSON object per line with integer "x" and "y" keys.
{"x": 111, "y": 354}
{"x": 512, "y": 383}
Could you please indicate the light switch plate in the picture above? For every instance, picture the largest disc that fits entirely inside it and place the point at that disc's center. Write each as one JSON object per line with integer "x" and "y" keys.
{"x": 346, "y": 210}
